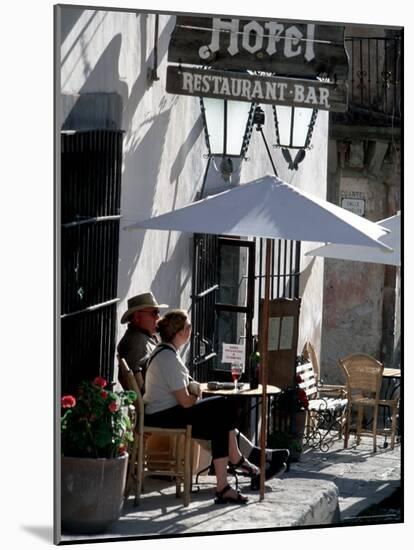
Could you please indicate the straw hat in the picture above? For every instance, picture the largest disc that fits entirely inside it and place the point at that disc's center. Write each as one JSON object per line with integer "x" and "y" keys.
{"x": 141, "y": 301}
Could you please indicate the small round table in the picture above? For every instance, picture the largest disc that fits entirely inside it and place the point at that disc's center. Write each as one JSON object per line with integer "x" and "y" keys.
{"x": 244, "y": 392}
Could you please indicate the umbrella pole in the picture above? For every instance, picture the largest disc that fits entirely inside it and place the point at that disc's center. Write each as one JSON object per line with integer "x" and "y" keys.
{"x": 265, "y": 345}
{"x": 263, "y": 367}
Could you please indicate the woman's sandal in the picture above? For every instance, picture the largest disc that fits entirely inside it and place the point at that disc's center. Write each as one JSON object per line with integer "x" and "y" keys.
{"x": 244, "y": 467}
{"x": 221, "y": 499}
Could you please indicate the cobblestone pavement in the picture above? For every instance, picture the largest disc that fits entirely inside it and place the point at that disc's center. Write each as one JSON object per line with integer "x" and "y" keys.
{"x": 320, "y": 489}
{"x": 363, "y": 477}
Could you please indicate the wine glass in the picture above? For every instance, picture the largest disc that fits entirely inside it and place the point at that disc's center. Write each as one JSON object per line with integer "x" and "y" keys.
{"x": 236, "y": 372}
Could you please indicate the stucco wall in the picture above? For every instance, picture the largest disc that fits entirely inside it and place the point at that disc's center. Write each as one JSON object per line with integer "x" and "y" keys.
{"x": 353, "y": 292}
{"x": 164, "y": 148}
{"x": 313, "y": 179}
{"x": 112, "y": 52}
{"x": 359, "y": 307}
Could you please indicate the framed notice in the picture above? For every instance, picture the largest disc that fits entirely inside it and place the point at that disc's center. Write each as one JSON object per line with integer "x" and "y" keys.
{"x": 281, "y": 333}
{"x": 286, "y": 332}
{"x": 274, "y": 329}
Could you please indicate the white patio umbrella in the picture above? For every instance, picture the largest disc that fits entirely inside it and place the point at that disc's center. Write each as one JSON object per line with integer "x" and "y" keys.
{"x": 368, "y": 253}
{"x": 268, "y": 207}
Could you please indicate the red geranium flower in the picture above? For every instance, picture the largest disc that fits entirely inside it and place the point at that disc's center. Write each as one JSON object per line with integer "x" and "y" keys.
{"x": 99, "y": 381}
{"x": 68, "y": 401}
{"x": 113, "y": 406}
{"x": 96, "y": 423}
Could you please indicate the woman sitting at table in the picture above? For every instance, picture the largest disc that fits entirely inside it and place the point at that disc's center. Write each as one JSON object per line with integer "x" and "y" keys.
{"x": 169, "y": 404}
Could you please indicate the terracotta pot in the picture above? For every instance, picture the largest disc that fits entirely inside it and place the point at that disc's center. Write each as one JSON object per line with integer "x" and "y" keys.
{"x": 92, "y": 492}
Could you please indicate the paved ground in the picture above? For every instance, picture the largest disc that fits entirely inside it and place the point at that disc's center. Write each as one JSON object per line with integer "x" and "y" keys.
{"x": 320, "y": 489}
{"x": 363, "y": 478}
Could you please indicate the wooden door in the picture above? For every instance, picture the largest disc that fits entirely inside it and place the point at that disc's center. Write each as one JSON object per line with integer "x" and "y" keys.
{"x": 283, "y": 341}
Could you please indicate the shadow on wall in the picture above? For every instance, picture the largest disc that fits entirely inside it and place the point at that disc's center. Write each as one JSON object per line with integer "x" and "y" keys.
{"x": 141, "y": 84}
{"x": 175, "y": 272}
{"x": 92, "y": 109}
{"x": 70, "y": 16}
{"x": 138, "y": 192}
{"x": 185, "y": 149}
{"x": 140, "y": 176}
{"x": 105, "y": 74}
{"x": 305, "y": 275}
{"x": 142, "y": 165}
{"x": 178, "y": 167}
{"x": 116, "y": 108}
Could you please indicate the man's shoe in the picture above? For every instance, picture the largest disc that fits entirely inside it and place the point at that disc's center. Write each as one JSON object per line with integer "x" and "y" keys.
{"x": 274, "y": 456}
{"x": 275, "y": 470}
{"x": 276, "y": 460}
{"x": 255, "y": 483}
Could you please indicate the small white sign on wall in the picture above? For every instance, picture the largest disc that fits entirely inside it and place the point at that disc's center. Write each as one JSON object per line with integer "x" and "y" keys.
{"x": 233, "y": 353}
{"x": 357, "y": 206}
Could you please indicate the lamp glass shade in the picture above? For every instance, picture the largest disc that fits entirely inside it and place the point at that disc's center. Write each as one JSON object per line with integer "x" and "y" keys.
{"x": 300, "y": 118}
{"x": 214, "y": 113}
{"x": 284, "y": 121}
{"x": 230, "y": 122}
{"x": 237, "y": 115}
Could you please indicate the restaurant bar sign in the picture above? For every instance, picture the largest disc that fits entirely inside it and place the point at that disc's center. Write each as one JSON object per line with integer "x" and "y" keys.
{"x": 263, "y": 61}
{"x": 239, "y": 87}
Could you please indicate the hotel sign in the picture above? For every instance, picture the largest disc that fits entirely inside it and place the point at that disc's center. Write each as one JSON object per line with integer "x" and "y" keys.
{"x": 299, "y": 50}
{"x": 260, "y": 89}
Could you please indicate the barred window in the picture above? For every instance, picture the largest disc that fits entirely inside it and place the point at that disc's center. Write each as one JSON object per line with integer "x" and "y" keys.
{"x": 90, "y": 211}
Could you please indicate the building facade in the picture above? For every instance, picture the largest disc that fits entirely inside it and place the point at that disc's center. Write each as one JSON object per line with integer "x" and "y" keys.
{"x": 361, "y": 306}
{"x": 112, "y": 81}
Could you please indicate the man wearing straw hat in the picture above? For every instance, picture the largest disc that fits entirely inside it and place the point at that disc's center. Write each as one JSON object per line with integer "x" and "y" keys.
{"x": 140, "y": 339}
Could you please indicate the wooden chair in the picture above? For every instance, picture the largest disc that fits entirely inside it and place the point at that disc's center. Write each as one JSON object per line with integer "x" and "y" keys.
{"x": 363, "y": 382}
{"x": 178, "y": 466}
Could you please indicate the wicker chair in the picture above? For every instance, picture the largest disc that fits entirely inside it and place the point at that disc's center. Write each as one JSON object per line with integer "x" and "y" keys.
{"x": 178, "y": 466}
{"x": 363, "y": 379}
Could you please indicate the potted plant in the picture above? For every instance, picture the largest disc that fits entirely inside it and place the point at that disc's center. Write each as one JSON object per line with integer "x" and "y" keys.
{"x": 290, "y": 412}
{"x": 95, "y": 432}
